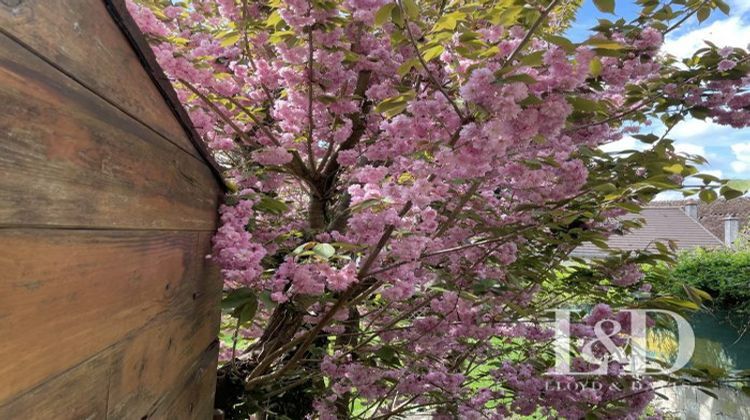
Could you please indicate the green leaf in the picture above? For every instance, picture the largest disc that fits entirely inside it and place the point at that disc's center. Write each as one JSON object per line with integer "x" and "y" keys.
{"x": 723, "y": 6}
{"x": 273, "y": 19}
{"x": 530, "y": 101}
{"x": 703, "y": 13}
{"x": 397, "y": 18}
{"x": 280, "y": 36}
{"x": 230, "y": 39}
{"x": 606, "y": 188}
{"x": 246, "y": 312}
{"x": 708, "y": 196}
{"x": 562, "y": 42}
{"x": 265, "y": 297}
{"x": 600, "y": 243}
{"x": 271, "y": 205}
{"x": 631, "y": 207}
{"x": 383, "y": 14}
{"x": 646, "y": 138}
{"x": 739, "y": 184}
{"x": 237, "y": 297}
{"x": 508, "y": 16}
{"x": 709, "y": 393}
{"x": 668, "y": 302}
{"x": 366, "y": 204}
{"x": 411, "y": 8}
{"x": 584, "y": 104}
{"x": 325, "y": 251}
{"x": 533, "y": 59}
{"x": 706, "y": 178}
{"x": 605, "y": 6}
{"x": 523, "y": 78}
{"x": 407, "y": 66}
{"x": 395, "y": 104}
{"x": 389, "y": 355}
{"x": 595, "y": 67}
{"x": 730, "y": 193}
{"x": 327, "y": 99}
{"x": 605, "y": 44}
{"x": 433, "y": 52}
{"x": 449, "y": 21}
{"x": 674, "y": 169}
{"x": 698, "y": 293}
{"x": 699, "y": 112}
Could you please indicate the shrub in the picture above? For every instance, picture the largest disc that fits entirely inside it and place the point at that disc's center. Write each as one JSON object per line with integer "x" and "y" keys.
{"x": 723, "y": 273}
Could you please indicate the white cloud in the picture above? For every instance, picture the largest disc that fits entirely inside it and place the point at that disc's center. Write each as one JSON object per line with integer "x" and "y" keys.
{"x": 694, "y": 128}
{"x": 715, "y": 172}
{"x": 742, "y": 158}
{"x": 625, "y": 143}
{"x": 739, "y": 6}
{"x": 690, "y": 149}
{"x": 742, "y": 151}
{"x": 718, "y": 173}
{"x": 669, "y": 196}
{"x": 726, "y": 32}
{"x": 707, "y": 134}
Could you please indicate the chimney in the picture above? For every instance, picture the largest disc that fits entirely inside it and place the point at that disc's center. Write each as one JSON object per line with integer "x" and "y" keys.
{"x": 691, "y": 209}
{"x": 731, "y": 230}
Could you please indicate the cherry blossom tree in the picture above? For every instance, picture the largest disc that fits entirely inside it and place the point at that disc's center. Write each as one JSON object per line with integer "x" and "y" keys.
{"x": 410, "y": 178}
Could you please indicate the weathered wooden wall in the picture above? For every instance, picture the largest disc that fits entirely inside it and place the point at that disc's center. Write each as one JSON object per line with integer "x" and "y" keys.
{"x": 108, "y": 308}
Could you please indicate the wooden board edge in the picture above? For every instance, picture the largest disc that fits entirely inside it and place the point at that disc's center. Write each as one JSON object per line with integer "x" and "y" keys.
{"x": 135, "y": 37}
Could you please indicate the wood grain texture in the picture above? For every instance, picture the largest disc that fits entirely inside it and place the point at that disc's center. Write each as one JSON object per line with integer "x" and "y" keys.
{"x": 177, "y": 354}
{"x": 69, "y": 158}
{"x": 79, "y": 394}
{"x": 108, "y": 306}
{"x": 121, "y": 16}
{"x": 193, "y": 398}
{"x": 80, "y": 38}
{"x": 93, "y": 389}
{"x": 66, "y": 296}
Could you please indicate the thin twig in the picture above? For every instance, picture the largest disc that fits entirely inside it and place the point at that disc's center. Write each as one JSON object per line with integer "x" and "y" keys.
{"x": 216, "y": 110}
{"x": 529, "y": 34}
{"x": 434, "y": 81}
{"x": 310, "y": 127}
{"x": 686, "y": 17}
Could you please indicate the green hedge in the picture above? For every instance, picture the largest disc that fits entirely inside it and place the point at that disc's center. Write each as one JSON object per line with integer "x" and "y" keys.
{"x": 723, "y": 273}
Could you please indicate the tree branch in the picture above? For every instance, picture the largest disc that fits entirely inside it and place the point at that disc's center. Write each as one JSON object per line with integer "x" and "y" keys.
{"x": 310, "y": 122}
{"x": 432, "y": 78}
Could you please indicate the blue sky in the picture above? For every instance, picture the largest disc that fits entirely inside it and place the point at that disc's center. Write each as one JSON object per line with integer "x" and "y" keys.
{"x": 727, "y": 149}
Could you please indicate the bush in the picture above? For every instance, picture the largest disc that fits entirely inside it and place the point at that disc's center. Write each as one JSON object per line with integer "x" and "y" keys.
{"x": 723, "y": 273}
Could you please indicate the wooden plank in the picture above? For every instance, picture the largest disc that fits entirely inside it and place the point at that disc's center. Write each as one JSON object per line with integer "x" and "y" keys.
{"x": 120, "y": 14}
{"x": 71, "y": 159}
{"x": 81, "y": 39}
{"x": 67, "y": 295}
{"x": 186, "y": 385}
{"x": 172, "y": 357}
{"x": 164, "y": 370}
{"x": 196, "y": 397}
{"x": 79, "y": 394}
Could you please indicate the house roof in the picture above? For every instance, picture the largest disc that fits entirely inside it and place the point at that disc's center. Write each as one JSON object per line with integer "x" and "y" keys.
{"x": 661, "y": 224}
{"x": 127, "y": 25}
{"x": 712, "y": 215}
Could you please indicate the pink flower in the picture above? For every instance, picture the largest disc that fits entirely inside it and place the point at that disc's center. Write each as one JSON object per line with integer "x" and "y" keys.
{"x": 272, "y": 156}
{"x": 726, "y": 65}
{"x": 627, "y": 275}
{"x": 726, "y": 52}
